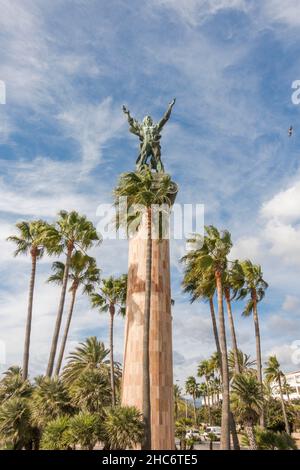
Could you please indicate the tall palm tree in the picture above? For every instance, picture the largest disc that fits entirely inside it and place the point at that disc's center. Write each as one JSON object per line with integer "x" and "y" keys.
{"x": 143, "y": 190}
{"x": 254, "y": 286}
{"x": 111, "y": 296}
{"x": 211, "y": 259}
{"x": 247, "y": 401}
{"x": 202, "y": 285}
{"x": 205, "y": 369}
{"x": 273, "y": 373}
{"x": 89, "y": 355}
{"x": 83, "y": 272}
{"x": 70, "y": 232}
{"x": 192, "y": 388}
{"x": 246, "y": 364}
{"x": 232, "y": 281}
{"x": 29, "y": 240}
{"x": 177, "y": 399}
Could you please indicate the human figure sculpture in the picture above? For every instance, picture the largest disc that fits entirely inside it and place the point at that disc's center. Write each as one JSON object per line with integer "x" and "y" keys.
{"x": 149, "y": 135}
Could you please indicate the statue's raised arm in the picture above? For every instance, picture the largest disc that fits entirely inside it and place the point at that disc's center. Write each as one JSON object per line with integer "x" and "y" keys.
{"x": 133, "y": 123}
{"x": 166, "y": 116}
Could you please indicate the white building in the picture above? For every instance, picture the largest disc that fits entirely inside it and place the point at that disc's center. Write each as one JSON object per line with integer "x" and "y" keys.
{"x": 293, "y": 380}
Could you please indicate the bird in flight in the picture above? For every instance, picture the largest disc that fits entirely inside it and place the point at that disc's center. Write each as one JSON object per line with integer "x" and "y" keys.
{"x": 290, "y": 131}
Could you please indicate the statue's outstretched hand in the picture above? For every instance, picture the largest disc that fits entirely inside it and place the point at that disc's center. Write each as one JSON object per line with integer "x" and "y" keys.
{"x": 125, "y": 110}
{"x": 173, "y": 102}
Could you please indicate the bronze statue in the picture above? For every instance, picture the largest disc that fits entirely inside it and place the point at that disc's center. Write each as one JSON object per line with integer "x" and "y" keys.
{"x": 149, "y": 135}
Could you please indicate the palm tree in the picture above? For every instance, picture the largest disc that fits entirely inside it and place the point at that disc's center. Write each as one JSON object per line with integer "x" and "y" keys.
{"x": 88, "y": 356}
{"x": 247, "y": 402}
{"x": 50, "y": 399}
{"x": 177, "y": 399}
{"x": 56, "y": 434}
{"x": 205, "y": 369}
{"x": 192, "y": 388}
{"x": 202, "y": 284}
{"x": 255, "y": 287}
{"x": 15, "y": 428}
{"x": 83, "y": 272}
{"x": 29, "y": 240}
{"x": 143, "y": 190}
{"x": 123, "y": 427}
{"x": 13, "y": 385}
{"x": 85, "y": 429}
{"x": 91, "y": 391}
{"x": 112, "y": 295}
{"x": 70, "y": 232}
{"x": 232, "y": 280}
{"x": 274, "y": 374}
{"x": 211, "y": 260}
{"x": 246, "y": 364}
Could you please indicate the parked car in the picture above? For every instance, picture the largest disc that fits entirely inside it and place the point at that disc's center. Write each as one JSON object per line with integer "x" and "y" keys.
{"x": 215, "y": 430}
{"x": 193, "y": 434}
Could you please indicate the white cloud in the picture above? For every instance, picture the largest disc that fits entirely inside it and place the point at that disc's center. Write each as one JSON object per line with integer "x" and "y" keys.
{"x": 193, "y": 11}
{"x": 92, "y": 126}
{"x": 285, "y": 12}
{"x": 284, "y": 206}
{"x": 291, "y": 304}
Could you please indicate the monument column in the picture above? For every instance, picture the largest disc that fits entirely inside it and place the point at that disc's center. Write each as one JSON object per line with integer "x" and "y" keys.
{"x": 160, "y": 349}
{"x": 160, "y": 333}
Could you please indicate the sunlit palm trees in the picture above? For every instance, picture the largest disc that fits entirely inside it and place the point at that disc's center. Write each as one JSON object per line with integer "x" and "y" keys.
{"x": 274, "y": 374}
{"x": 254, "y": 287}
{"x": 124, "y": 428}
{"x": 89, "y": 355}
{"x": 83, "y": 272}
{"x": 192, "y": 388}
{"x": 247, "y": 399}
{"x": 70, "y": 232}
{"x": 143, "y": 190}
{"x": 111, "y": 298}
{"x": 29, "y": 240}
{"x": 210, "y": 260}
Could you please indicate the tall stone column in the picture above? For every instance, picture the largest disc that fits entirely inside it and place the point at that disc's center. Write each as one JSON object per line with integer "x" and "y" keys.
{"x": 161, "y": 364}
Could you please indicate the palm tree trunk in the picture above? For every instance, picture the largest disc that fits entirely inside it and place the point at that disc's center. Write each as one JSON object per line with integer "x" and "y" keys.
{"x": 215, "y": 329}
{"x": 111, "y": 345}
{"x": 258, "y": 351}
{"x": 250, "y": 434}
{"x": 287, "y": 427}
{"x": 195, "y": 413}
{"x": 146, "y": 337}
{"x": 208, "y": 400}
{"x": 66, "y": 332}
{"x": 234, "y": 436}
{"x": 232, "y": 332}
{"x": 29, "y": 315}
{"x": 225, "y": 426}
{"x": 59, "y": 314}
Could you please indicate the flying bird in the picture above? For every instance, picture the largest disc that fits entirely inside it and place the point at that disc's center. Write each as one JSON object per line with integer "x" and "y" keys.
{"x": 290, "y": 131}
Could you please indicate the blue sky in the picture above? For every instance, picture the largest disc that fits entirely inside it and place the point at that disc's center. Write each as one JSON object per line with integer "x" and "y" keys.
{"x": 69, "y": 66}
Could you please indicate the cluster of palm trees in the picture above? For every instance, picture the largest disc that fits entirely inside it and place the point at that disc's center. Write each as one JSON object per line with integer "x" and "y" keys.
{"x": 71, "y": 407}
{"x": 69, "y": 411}
{"x": 210, "y": 274}
{"x": 71, "y": 235}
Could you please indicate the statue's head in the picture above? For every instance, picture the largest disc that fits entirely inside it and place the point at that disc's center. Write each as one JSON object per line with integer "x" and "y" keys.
{"x": 147, "y": 121}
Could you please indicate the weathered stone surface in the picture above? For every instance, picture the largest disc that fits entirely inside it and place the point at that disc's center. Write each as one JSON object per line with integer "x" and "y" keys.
{"x": 161, "y": 367}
